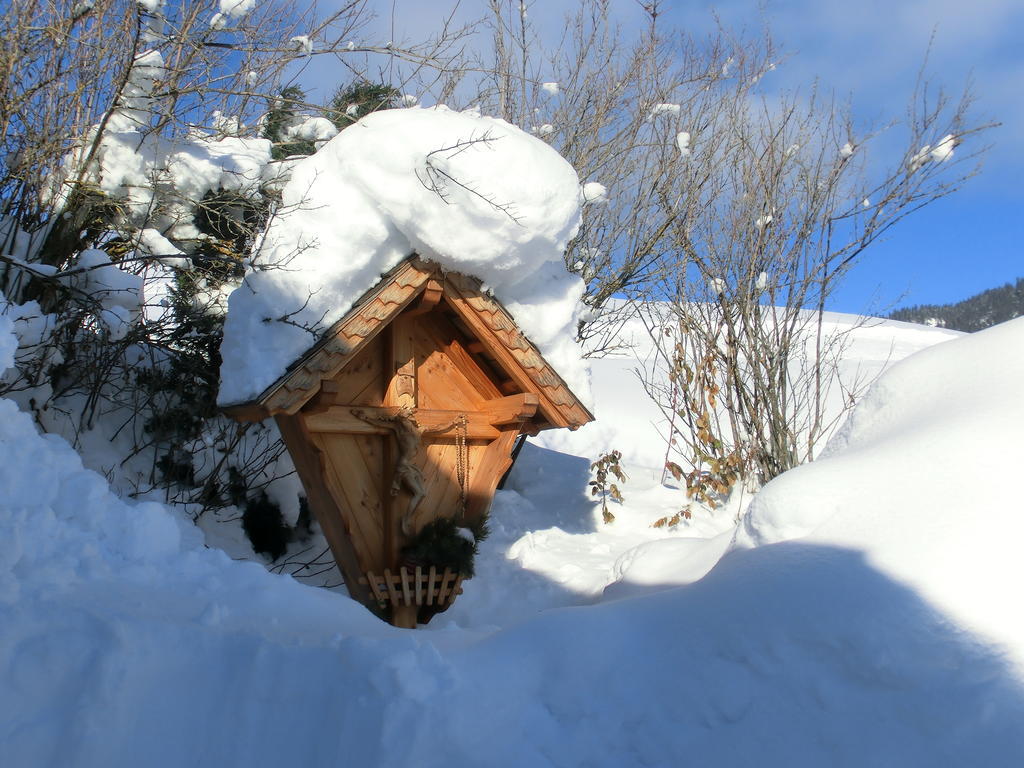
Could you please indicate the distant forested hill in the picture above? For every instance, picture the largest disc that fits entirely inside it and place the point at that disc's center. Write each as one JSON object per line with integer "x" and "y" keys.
{"x": 990, "y": 307}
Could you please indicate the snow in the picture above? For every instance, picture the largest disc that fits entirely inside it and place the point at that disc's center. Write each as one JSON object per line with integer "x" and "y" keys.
{"x": 303, "y": 43}
{"x": 19, "y": 245}
{"x": 159, "y": 181}
{"x": 943, "y": 151}
{"x": 8, "y": 341}
{"x": 155, "y": 244}
{"x": 594, "y": 192}
{"x": 939, "y": 468}
{"x": 81, "y": 8}
{"x": 211, "y": 163}
{"x": 940, "y": 153}
{"x": 663, "y": 109}
{"x": 235, "y": 9}
{"x": 920, "y": 158}
{"x": 117, "y": 321}
{"x": 683, "y": 143}
{"x": 862, "y": 613}
{"x": 474, "y": 194}
{"x": 94, "y": 274}
{"x": 314, "y": 129}
{"x": 846, "y": 150}
{"x": 135, "y": 104}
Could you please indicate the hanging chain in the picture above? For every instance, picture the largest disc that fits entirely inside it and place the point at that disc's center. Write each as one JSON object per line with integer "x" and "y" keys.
{"x": 462, "y": 460}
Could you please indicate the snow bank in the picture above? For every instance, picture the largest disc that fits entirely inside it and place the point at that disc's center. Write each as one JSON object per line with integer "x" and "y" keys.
{"x": 920, "y": 481}
{"x": 65, "y": 536}
{"x": 473, "y": 193}
{"x": 125, "y": 642}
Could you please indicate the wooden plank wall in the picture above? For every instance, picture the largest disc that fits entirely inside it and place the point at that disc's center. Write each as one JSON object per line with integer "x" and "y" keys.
{"x": 419, "y": 361}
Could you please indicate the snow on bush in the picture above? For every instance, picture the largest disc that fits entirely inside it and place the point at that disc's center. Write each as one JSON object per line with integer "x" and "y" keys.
{"x": 942, "y": 151}
{"x": 594, "y": 192}
{"x": 94, "y": 275}
{"x": 157, "y": 180}
{"x": 683, "y": 143}
{"x": 474, "y": 194}
{"x": 231, "y": 10}
{"x": 663, "y": 109}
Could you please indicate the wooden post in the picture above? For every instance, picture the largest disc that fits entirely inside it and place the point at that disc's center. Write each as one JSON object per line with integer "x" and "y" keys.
{"x": 402, "y": 387}
{"x": 497, "y": 458}
{"x": 387, "y": 503}
{"x": 400, "y": 365}
{"x": 404, "y": 616}
{"x": 309, "y": 466}
{"x": 401, "y": 392}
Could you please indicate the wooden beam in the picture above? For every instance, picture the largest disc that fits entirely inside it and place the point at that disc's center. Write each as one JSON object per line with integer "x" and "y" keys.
{"x": 496, "y": 460}
{"x": 505, "y": 359}
{"x": 309, "y": 466}
{"x": 486, "y": 319}
{"x": 512, "y": 409}
{"x": 428, "y": 299}
{"x": 401, "y": 391}
{"x": 388, "y": 504}
{"x": 246, "y": 412}
{"x": 445, "y": 338}
{"x": 339, "y": 418}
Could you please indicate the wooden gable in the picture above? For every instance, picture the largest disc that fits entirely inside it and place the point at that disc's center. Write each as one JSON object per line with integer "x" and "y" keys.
{"x": 423, "y": 351}
{"x": 486, "y": 345}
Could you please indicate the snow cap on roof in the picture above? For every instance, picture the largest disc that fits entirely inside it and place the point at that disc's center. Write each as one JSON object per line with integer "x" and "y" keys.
{"x": 473, "y": 194}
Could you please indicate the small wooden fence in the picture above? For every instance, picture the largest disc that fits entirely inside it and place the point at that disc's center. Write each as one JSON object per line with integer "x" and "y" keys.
{"x": 415, "y": 586}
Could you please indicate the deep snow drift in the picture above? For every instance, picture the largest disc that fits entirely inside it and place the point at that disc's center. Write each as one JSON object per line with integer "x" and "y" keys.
{"x": 920, "y": 481}
{"x": 474, "y": 194}
{"x": 864, "y": 615}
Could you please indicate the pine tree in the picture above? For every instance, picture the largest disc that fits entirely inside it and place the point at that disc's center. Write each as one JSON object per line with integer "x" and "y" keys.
{"x": 351, "y": 102}
{"x": 281, "y": 117}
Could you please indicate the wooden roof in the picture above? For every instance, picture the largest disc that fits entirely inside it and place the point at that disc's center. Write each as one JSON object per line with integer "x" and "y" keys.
{"x": 411, "y": 282}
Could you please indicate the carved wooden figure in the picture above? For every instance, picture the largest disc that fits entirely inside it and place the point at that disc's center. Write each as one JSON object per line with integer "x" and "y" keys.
{"x": 406, "y": 411}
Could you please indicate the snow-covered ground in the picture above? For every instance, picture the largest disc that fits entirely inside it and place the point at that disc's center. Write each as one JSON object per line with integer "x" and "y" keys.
{"x": 864, "y": 611}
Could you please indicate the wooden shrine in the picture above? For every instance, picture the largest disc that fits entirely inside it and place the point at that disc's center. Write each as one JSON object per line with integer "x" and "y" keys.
{"x": 406, "y": 411}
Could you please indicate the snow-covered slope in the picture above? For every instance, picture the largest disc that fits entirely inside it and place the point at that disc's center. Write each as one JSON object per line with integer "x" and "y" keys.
{"x": 628, "y": 421}
{"x": 864, "y": 615}
{"x": 922, "y": 481}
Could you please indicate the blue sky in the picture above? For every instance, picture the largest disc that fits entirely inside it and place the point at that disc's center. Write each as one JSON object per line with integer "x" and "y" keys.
{"x": 870, "y": 52}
